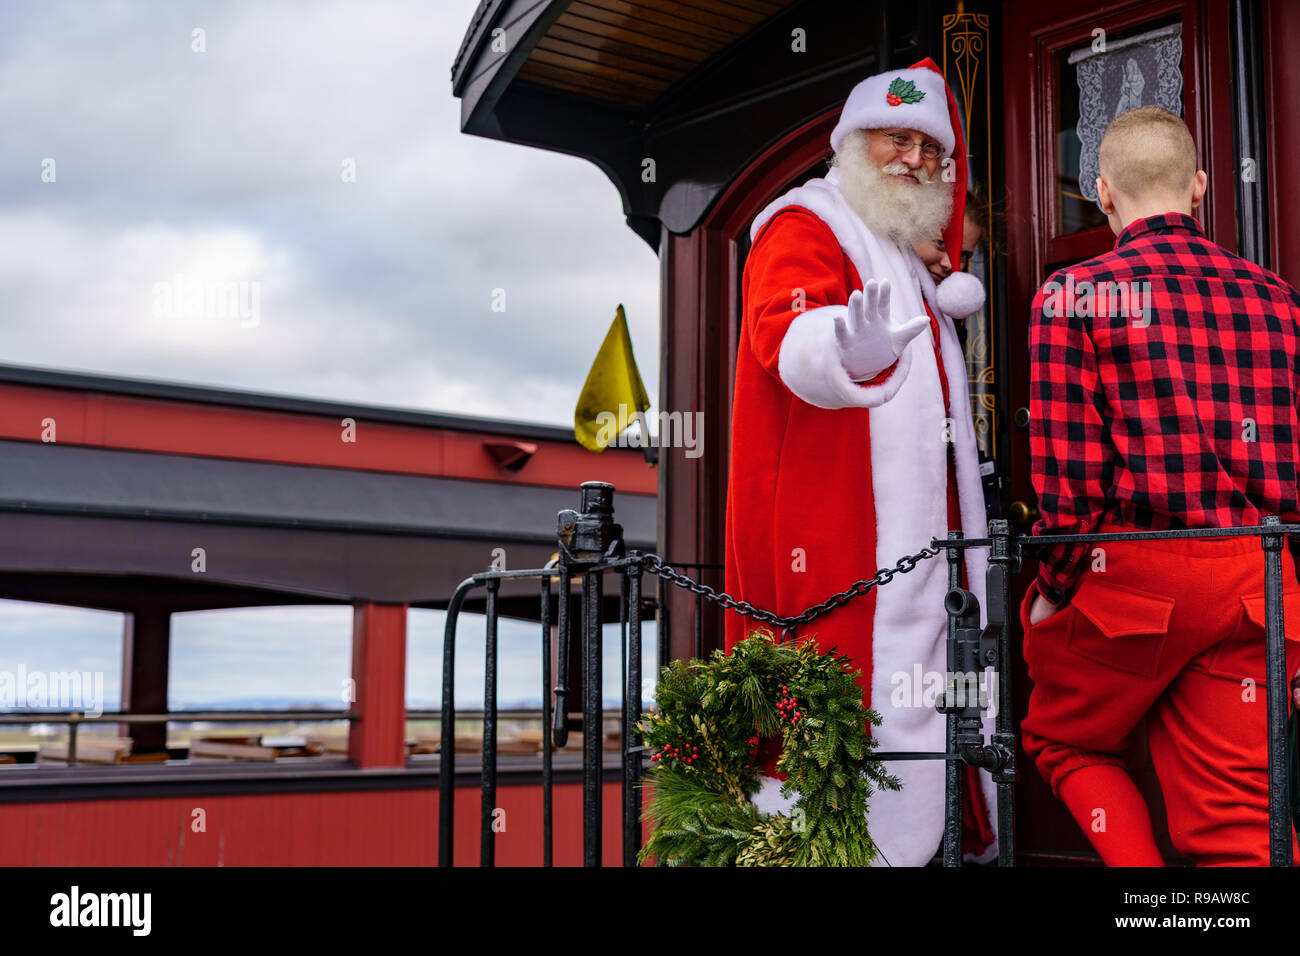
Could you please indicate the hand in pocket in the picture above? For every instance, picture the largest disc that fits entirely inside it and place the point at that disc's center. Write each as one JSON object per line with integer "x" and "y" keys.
{"x": 1042, "y": 609}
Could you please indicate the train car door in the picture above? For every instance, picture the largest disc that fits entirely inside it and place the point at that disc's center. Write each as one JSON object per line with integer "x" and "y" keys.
{"x": 1067, "y": 74}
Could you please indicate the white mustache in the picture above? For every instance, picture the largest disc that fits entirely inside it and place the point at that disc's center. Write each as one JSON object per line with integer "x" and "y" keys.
{"x": 901, "y": 169}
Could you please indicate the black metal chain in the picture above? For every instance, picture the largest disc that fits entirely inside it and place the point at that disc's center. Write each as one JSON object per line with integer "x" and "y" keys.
{"x": 789, "y": 625}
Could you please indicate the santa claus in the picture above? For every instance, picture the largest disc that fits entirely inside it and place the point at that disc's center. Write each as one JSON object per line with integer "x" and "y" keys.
{"x": 852, "y": 440}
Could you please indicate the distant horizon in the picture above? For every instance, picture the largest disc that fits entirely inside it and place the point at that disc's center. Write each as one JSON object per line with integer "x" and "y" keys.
{"x": 285, "y": 657}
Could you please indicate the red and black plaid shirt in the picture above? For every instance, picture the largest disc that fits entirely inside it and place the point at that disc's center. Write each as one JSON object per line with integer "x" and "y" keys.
{"x": 1184, "y": 417}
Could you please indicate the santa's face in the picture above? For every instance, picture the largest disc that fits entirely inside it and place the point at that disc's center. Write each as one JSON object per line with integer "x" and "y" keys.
{"x": 886, "y": 146}
{"x": 897, "y": 192}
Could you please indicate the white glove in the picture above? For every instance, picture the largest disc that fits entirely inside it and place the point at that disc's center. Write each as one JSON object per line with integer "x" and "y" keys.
{"x": 869, "y": 342}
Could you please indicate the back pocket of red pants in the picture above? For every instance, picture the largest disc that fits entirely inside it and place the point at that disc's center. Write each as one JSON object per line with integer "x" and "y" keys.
{"x": 1118, "y": 626}
{"x": 1242, "y": 655}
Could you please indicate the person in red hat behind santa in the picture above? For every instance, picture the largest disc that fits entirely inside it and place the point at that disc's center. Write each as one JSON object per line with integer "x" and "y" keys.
{"x": 852, "y": 442}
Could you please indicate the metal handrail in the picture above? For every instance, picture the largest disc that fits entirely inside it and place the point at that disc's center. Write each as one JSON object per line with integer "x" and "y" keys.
{"x": 1271, "y": 532}
{"x": 178, "y": 716}
{"x": 517, "y": 714}
{"x": 75, "y": 718}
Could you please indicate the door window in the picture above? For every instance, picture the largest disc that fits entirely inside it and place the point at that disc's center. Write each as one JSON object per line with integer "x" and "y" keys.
{"x": 1095, "y": 84}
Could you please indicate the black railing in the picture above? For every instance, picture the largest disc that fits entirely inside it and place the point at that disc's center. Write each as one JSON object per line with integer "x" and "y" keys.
{"x": 591, "y": 546}
{"x": 1272, "y": 534}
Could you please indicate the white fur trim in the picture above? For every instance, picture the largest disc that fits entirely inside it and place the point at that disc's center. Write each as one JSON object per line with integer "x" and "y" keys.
{"x": 868, "y": 108}
{"x": 960, "y": 295}
{"x": 911, "y": 508}
{"x": 809, "y": 365}
{"x": 970, "y": 498}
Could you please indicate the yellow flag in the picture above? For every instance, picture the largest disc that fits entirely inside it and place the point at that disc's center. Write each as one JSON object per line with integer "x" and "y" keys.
{"x": 612, "y": 381}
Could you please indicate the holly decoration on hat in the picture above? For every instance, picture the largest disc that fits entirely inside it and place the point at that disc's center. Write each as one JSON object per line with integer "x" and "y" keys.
{"x": 903, "y": 91}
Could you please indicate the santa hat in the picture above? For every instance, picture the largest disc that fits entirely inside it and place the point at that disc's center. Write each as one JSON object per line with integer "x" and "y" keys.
{"x": 919, "y": 98}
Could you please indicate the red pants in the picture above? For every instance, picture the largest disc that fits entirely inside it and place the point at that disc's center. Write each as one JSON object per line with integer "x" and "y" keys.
{"x": 1172, "y": 631}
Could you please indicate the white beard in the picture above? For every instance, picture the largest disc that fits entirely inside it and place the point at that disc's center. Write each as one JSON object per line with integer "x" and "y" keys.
{"x": 905, "y": 212}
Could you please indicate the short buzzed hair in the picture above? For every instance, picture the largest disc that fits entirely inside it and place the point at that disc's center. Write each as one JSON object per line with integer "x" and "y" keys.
{"x": 1148, "y": 150}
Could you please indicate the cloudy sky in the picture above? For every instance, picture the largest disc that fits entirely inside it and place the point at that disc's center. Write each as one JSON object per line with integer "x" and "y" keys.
{"x": 175, "y": 170}
{"x": 134, "y": 170}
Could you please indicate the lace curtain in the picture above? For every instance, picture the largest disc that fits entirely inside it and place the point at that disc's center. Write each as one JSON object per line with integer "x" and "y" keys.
{"x": 1144, "y": 70}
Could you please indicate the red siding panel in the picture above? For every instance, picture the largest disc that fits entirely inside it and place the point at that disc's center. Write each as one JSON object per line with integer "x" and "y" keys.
{"x": 364, "y": 828}
{"x": 186, "y": 428}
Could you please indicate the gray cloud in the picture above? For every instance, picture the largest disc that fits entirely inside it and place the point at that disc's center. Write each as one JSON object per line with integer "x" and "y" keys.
{"x": 225, "y": 166}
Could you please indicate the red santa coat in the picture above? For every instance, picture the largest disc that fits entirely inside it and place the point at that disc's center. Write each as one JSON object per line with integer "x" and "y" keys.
{"x": 831, "y": 480}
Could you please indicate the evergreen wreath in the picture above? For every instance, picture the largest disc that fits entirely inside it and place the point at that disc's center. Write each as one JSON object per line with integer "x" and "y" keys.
{"x": 705, "y": 734}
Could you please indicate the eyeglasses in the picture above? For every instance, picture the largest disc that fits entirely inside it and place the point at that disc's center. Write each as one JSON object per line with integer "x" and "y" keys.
{"x": 904, "y": 144}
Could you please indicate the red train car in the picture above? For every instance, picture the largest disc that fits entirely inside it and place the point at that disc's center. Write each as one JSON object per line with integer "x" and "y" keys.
{"x": 287, "y": 511}
{"x": 700, "y": 112}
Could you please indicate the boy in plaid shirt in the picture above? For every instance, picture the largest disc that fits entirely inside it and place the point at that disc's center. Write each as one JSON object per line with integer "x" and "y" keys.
{"x": 1164, "y": 380}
